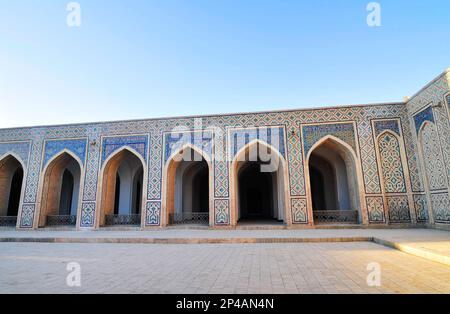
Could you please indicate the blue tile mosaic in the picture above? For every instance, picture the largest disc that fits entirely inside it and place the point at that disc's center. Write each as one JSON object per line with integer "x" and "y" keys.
{"x": 273, "y": 136}
{"x": 343, "y": 131}
{"x": 21, "y": 149}
{"x": 421, "y": 117}
{"x": 203, "y": 140}
{"x": 138, "y": 142}
{"x": 54, "y": 147}
{"x": 383, "y": 125}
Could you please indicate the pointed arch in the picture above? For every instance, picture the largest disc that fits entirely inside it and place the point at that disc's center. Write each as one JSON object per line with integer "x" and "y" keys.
{"x": 394, "y": 177}
{"x": 282, "y": 179}
{"x": 436, "y": 172}
{"x": 12, "y": 171}
{"x": 179, "y": 151}
{"x": 431, "y": 164}
{"x": 400, "y": 154}
{"x": 50, "y": 186}
{"x": 336, "y": 140}
{"x": 353, "y": 173}
{"x": 59, "y": 154}
{"x": 169, "y": 173}
{"x": 390, "y": 132}
{"x": 13, "y": 155}
{"x": 107, "y": 184}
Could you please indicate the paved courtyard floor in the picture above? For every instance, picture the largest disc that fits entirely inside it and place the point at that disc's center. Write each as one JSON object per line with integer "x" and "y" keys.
{"x": 427, "y": 243}
{"x": 217, "y": 268}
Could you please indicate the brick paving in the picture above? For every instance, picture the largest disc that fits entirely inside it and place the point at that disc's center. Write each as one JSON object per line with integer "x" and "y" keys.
{"x": 217, "y": 268}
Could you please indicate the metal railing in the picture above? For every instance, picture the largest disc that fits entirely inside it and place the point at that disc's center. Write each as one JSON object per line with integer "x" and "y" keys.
{"x": 335, "y": 216}
{"x": 189, "y": 218}
{"x": 8, "y": 221}
{"x": 61, "y": 220}
{"x": 123, "y": 220}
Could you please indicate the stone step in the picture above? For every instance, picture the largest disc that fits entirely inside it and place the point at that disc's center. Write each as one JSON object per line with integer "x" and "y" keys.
{"x": 160, "y": 240}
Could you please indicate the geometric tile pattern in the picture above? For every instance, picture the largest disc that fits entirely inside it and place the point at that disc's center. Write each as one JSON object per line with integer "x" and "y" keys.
{"x": 411, "y": 152}
{"x": 201, "y": 140}
{"x": 53, "y": 147}
{"x": 26, "y": 220}
{"x": 398, "y": 209}
{"x": 375, "y": 208}
{"x": 368, "y": 151}
{"x": 421, "y": 117}
{"x": 383, "y": 125}
{"x": 33, "y": 173}
{"x": 87, "y": 215}
{"x": 343, "y": 131}
{"x": 221, "y": 165}
{"x": 433, "y": 159}
{"x": 295, "y": 161}
{"x": 441, "y": 207}
{"x": 110, "y": 144}
{"x": 222, "y": 211}
{"x": 420, "y": 205}
{"x": 21, "y": 149}
{"x": 443, "y": 130}
{"x": 155, "y": 169}
{"x": 299, "y": 211}
{"x": 274, "y": 136}
{"x": 391, "y": 164}
{"x": 428, "y": 107}
{"x": 93, "y": 160}
{"x": 153, "y": 213}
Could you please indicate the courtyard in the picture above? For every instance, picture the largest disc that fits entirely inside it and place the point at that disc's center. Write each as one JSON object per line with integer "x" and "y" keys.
{"x": 228, "y": 268}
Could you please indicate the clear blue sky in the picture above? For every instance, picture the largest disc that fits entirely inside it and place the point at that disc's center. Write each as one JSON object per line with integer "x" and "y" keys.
{"x": 142, "y": 59}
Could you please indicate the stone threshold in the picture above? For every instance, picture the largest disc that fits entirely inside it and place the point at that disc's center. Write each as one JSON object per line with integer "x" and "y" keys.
{"x": 160, "y": 240}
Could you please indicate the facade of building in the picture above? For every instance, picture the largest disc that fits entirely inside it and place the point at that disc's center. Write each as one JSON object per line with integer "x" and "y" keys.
{"x": 381, "y": 164}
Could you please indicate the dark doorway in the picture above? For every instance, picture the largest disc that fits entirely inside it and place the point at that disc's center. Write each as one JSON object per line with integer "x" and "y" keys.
{"x": 65, "y": 204}
{"x": 329, "y": 185}
{"x": 14, "y": 195}
{"x": 188, "y": 199}
{"x": 317, "y": 189}
{"x": 122, "y": 190}
{"x": 200, "y": 189}
{"x": 255, "y": 192}
{"x": 137, "y": 205}
{"x": 117, "y": 195}
{"x": 137, "y": 191}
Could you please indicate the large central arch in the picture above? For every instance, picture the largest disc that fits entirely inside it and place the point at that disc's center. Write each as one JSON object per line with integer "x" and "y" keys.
{"x": 259, "y": 185}
{"x": 333, "y": 181}
{"x": 187, "y": 192}
{"x": 11, "y": 188}
{"x": 122, "y": 189}
{"x": 60, "y": 196}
